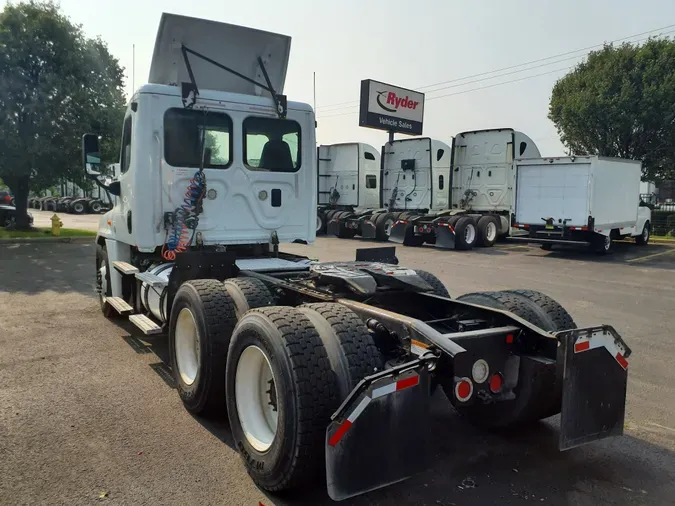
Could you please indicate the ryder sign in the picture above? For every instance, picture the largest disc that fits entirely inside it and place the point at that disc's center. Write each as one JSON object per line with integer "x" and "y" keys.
{"x": 391, "y": 108}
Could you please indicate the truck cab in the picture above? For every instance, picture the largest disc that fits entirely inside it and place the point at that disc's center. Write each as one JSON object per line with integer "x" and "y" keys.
{"x": 225, "y": 145}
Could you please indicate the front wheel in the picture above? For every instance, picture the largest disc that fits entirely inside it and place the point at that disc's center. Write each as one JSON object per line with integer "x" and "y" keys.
{"x": 281, "y": 393}
{"x": 103, "y": 286}
{"x": 643, "y": 238}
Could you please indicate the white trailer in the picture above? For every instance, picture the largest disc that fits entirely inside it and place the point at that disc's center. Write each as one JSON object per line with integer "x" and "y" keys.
{"x": 582, "y": 200}
{"x": 349, "y": 176}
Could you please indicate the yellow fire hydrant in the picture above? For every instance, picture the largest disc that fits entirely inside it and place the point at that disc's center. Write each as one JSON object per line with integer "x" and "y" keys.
{"x": 56, "y": 225}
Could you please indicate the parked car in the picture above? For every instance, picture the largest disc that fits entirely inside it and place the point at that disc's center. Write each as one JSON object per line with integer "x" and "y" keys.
{"x": 6, "y": 197}
{"x": 8, "y": 216}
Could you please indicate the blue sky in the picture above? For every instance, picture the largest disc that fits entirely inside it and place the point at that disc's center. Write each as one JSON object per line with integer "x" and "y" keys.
{"x": 409, "y": 44}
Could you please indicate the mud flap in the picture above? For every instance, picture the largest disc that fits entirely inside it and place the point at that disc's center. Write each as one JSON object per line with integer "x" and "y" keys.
{"x": 594, "y": 385}
{"x": 333, "y": 227}
{"x": 381, "y": 433}
{"x": 368, "y": 229}
{"x": 398, "y": 231}
{"x": 445, "y": 236}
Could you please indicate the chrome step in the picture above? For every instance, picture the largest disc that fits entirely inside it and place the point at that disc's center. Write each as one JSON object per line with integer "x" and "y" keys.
{"x": 146, "y": 325}
{"x": 119, "y": 305}
{"x": 124, "y": 268}
{"x": 151, "y": 279}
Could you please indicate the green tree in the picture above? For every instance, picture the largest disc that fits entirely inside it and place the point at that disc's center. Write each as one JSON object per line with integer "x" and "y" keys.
{"x": 621, "y": 102}
{"x": 55, "y": 85}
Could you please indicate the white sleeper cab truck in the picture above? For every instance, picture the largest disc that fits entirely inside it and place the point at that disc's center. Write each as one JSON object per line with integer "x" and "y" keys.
{"x": 322, "y": 368}
{"x": 349, "y": 177}
{"x": 470, "y": 196}
{"x": 586, "y": 201}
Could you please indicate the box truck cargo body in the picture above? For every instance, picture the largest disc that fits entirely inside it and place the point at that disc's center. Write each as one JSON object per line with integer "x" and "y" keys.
{"x": 585, "y": 200}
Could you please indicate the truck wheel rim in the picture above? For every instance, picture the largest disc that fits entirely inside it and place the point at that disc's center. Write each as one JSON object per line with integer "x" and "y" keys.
{"x": 78, "y": 207}
{"x": 102, "y": 282}
{"x": 645, "y": 233}
{"x": 608, "y": 242}
{"x": 387, "y": 226}
{"x": 256, "y": 398}
{"x": 319, "y": 223}
{"x": 95, "y": 207}
{"x": 187, "y": 346}
{"x": 491, "y": 231}
{"x": 470, "y": 234}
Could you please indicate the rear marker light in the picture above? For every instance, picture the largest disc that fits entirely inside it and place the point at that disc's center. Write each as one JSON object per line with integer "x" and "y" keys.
{"x": 463, "y": 389}
{"x": 509, "y": 339}
{"x": 496, "y": 383}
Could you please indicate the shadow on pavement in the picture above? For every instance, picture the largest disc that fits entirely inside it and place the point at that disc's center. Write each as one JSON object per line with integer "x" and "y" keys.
{"x": 37, "y": 267}
{"x": 653, "y": 255}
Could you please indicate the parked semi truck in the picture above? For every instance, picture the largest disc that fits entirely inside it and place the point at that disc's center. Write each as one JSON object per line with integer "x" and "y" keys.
{"x": 586, "y": 201}
{"x": 322, "y": 368}
{"x": 467, "y": 197}
{"x": 349, "y": 181}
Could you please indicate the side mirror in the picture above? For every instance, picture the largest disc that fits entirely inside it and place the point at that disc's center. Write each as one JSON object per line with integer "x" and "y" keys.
{"x": 91, "y": 155}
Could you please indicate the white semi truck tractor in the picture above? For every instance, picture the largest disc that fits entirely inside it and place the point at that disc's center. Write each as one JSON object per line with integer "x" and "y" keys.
{"x": 348, "y": 184}
{"x": 322, "y": 368}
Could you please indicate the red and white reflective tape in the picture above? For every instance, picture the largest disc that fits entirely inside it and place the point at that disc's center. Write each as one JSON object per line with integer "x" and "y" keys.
{"x": 606, "y": 341}
{"x": 408, "y": 382}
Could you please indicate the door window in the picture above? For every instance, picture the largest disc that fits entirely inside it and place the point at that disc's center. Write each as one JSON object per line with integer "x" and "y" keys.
{"x": 125, "y": 156}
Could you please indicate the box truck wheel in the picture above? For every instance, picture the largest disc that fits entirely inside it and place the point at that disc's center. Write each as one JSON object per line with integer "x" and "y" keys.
{"x": 281, "y": 393}
{"x": 437, "y": 285}
{"x": 535, "y": 380}
{"x": 248, "y": 293}
{"x": 487, "y": 231}
{"x": 643, "y": 238}
{"x": 201, "y": 323}
{"x": 383, "y": 225}
{"x": 602, "y": 244}
{"x": 465, "y": 233}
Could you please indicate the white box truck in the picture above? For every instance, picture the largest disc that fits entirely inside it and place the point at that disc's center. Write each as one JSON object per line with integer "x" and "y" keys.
{"x": 582, "y": 200}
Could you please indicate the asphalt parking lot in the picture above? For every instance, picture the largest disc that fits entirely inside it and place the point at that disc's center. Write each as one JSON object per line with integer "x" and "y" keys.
{"x": 87, "y": 414}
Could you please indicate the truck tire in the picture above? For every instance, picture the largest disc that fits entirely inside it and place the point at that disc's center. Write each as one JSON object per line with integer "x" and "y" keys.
{"x": 321, "y": 222}
{"x": 557, "y": 316}
{"x": 201, "y": 324}
{"x": 279, "y": 432}
{"x": 643, "y": 238}
{"x": 78, "y": 207}
{"x": 95, "y": 206}
{"x": 351, "y": 351}
{"x": 248, "y": 293}
{"x": 383, "y": 225}
{"x": 602, "y": 244}
{"x": 103, "y": 286}
{"x": 465, "y": 233}
{"x": 536, "y": 382}
{"x": 437, "y": 285}
{"x": 488, "y": 229}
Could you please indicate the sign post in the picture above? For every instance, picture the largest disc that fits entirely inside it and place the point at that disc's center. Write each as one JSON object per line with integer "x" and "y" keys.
{"x": 390, "y": 108}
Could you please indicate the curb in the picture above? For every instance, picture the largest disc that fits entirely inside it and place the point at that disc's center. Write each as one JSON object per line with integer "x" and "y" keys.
{"x": 30, "y": 240}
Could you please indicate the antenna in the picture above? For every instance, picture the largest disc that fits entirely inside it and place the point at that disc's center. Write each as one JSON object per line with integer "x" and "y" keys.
{"x": 133, "y": 68}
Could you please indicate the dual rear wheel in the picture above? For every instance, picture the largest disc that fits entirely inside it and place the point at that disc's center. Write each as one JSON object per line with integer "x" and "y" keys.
{"x": 279, "y": 372}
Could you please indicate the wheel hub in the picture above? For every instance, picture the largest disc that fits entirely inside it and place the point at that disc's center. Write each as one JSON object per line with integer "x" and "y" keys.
{"x": 256, "y": 398}
{"x": 187, "y": 346}
{"x": 491, "y": 231}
